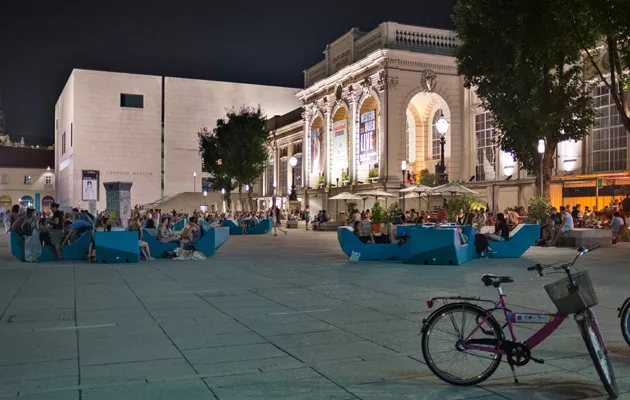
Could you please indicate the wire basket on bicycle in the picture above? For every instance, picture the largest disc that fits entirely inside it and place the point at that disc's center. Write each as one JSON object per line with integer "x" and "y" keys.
{"x": 571, "y": 299}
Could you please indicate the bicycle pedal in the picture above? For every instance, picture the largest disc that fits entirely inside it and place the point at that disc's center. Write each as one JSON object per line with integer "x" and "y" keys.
{"x": 537, "y": 360}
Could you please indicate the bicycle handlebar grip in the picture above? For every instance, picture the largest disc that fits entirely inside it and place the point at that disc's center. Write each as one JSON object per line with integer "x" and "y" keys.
{"x": 532, "y": 268}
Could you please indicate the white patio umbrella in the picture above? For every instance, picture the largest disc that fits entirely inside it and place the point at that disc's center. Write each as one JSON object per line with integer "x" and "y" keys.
{"x": 417, "y": 189}
{"x": 344, "y": 196}
{"x": 375, "y": 193}
{"x": 452, "y": 188}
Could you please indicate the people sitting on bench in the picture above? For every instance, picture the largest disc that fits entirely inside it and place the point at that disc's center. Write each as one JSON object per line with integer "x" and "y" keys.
{"x": 144, "y": 246}
{"x": 191, "y": 234}
{"x": 164, "y": 233}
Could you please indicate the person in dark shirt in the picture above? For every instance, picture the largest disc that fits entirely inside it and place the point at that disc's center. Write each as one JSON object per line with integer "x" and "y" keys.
{"x": 56, "y": 226}
{"x": 501, "y": 230}
{"x": 626, "y": 204}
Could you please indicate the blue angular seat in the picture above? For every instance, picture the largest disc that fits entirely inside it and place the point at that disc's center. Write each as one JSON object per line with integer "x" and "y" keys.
{"x": 204, "y": 224}
{"x": 117, "y": 247}
{"x": 180, "y": 225}
{"x": 16, "y": 244}
{"x": 156, "y": 247}
{"x": 442, "y": 246}
{"x": 521, "y": 239}
{"x": 370, "y": 251}
{"x": 263, "y": 227}
{"x": 211, "y": 240}
{"x": 77, "y": 250}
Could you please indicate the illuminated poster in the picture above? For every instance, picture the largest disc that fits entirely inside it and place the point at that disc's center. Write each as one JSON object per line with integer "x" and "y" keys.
{"x": 367, "y": 137}
{"x": 340, "y": 145}
{"x": 317, "y": 158}
{"x": 89, "y": 185}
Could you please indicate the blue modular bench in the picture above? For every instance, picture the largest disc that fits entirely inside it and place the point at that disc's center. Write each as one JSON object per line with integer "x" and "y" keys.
{"x": 370, "y": 251}
{"x": 263, "y": 227}
{"x": 211, "y": 240}
{"x": 204, "y": 224}
{"x": 406, "y": 228}
{"x": 77, "y": 250}
{"x": 117, "y": 247}
{"x": 180, "y": 225}
{"x": 16, "y": 245}
{"x": 521, "y": 239}
{"x": 156, "y": 247}
{"x": 442, "y": 246}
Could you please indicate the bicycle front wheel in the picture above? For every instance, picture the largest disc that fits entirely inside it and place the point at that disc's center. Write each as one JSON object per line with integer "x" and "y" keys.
{"x": 625, "y": 322}
{"x": 444, "y": 349}
{"x": 599, "y": 355}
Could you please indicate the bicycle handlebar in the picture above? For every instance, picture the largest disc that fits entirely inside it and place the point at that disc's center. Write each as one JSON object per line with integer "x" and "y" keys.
{"x": 541, "y": 267}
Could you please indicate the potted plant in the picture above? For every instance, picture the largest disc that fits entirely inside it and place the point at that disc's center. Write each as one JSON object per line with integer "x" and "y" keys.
{"x": 320, "y": 181}
{"x": 378, "y": 217}
{"x": 393, "y": 211}
{"x": 373, "y": 174}
{"x": 538, "y": 208}
{"x": 345, "y": 178}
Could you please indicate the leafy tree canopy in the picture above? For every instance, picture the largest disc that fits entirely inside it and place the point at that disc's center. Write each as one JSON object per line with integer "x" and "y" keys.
{"x": 235, "y": 152}
{"x": 519, "y": 60}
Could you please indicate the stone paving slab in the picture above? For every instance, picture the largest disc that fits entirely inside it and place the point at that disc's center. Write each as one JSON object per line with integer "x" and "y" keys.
{"x": 267, "y": 317}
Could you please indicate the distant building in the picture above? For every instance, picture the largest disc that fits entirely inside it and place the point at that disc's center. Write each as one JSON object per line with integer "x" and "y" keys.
{"x": 143, "y": 129}
{"x": 27, "y": 178}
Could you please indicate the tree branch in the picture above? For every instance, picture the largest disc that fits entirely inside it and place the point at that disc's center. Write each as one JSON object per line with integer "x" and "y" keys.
{"x": 616, "y": 91}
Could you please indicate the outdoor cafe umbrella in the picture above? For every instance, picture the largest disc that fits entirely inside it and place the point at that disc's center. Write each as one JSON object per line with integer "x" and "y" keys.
{"x": 344, "y": 196}
{"x": 453, "y": 188}
{"x": 375, "y": 193}
{"x": 417, "y": 189}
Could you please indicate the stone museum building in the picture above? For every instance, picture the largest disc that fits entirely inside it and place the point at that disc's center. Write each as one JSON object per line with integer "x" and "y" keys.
{"x": 142, "y": 129}
{"x": 374, "y": 104}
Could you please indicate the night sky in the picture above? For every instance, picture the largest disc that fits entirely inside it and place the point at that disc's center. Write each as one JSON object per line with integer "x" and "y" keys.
{"x": 263, "y": 42}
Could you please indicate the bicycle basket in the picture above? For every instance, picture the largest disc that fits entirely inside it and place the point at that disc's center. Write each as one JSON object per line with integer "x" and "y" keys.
{"x": 571, "y": 303}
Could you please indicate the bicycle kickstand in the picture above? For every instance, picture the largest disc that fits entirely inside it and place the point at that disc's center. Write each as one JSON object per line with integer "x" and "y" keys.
{"x": 513, "y": 372}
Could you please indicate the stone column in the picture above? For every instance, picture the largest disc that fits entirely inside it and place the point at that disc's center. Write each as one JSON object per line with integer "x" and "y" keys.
{"x": 326, "y": 141}
{"x": 118, "y": 195}
{"x": 306, "y": 149}
{"x": 353, "y": 131}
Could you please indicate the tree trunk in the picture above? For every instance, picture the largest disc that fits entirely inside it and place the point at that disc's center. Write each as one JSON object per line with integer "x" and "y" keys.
{"x": 547, "y": 169}
{"x": 240, "y": 196}
{"x": 228, "y": 200}
{"x": 250, "y": 198}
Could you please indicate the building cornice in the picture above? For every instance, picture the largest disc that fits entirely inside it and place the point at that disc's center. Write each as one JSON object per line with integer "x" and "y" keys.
{"x": 387, "y": 58}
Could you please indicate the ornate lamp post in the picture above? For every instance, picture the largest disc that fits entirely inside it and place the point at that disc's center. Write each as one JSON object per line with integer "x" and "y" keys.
{"x": 403, "y": 168}
{"x": 293, "y": 195}
{"x": 442, "y": 127}
{"x": 541, "y": 151}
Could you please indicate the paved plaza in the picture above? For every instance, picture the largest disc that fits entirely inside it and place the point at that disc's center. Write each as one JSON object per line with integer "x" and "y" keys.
{"x": 267, "y": 317}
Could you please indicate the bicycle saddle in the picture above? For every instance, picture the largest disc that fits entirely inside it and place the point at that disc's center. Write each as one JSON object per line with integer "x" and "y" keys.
{"x": 495, "y": 280}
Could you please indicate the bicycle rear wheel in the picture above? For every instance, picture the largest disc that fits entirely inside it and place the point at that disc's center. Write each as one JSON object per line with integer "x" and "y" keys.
{"x": 443, "y": 348}
{"x": 599, "y": 355}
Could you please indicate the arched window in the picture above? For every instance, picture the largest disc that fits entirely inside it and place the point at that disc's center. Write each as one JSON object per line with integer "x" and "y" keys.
{"x": 435, "y": 137}
{"x": 26, "y": 201}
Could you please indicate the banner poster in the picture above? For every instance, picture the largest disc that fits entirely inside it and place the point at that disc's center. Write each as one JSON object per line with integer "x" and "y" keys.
{"x": 317, "y": 158}
{"x": 340, "y": 145}
{"x": 37, "y": 198}
{"x": 89, "y": 185}
{"x": 367, "y": 137}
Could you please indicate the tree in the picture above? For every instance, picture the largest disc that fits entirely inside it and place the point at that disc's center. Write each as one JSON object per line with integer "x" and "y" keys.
{"x": 235, "y": 152}
{"x": 602, "y": 35}
{"x": 427, "y": 178}
{"x": 518, "y": 60}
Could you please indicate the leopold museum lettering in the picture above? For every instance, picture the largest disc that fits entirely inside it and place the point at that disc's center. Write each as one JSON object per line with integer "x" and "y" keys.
{"x": 367, "y": 137}
{"x": 129, "y": 173}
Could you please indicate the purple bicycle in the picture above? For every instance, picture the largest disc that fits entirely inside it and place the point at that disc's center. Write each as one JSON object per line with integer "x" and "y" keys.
{"x": 463, "y": 343}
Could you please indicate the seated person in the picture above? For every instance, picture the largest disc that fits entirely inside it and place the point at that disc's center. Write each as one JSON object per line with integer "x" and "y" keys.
{"x": 253, "y": 221}
{"x": 363, "y": 235}
{"x": 501, "y": 230}
{"x": 45, "y": 234}
{"x": 191, "y": 234}
{"x": 242, "y": 224}
{"x": 565, "y": 226}
{"x": 164, "y": 233}
{"x": 99, "y": 226}
{"x": 144, "y": 246}
{"x": 388, "y": 234}
{"x": 615, "y": 225}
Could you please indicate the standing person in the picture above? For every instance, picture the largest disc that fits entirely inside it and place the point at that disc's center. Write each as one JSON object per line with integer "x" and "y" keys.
{"x": 277, "y": 222}
{"x": 30, "y": 230}
{"x": 56, "y": 226}
{"x": 307, "y": 216}
{"x": 625, "y": 204}
{"x": 15, "y": 213}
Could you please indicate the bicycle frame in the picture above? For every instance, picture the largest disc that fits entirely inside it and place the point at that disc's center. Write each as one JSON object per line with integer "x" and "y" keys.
{"x": 553, "y": 321}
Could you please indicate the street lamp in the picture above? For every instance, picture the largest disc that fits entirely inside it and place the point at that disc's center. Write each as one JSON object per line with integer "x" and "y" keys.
{"x": 442, "y": 127}
{"x": 247, "y": 188}
{"x": 293, "y": 195}
{"x": 205, "y": 198}
{"x": 541, "y": 151}
{"x": 403, "y": 168}
{"x": 194, "y": 181}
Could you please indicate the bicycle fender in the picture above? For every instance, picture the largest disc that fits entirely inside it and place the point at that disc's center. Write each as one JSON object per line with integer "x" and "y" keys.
{"x": 450, "y": 305}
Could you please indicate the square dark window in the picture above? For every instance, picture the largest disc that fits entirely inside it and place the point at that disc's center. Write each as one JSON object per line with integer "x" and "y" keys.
{"x": 131, "y": 100}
